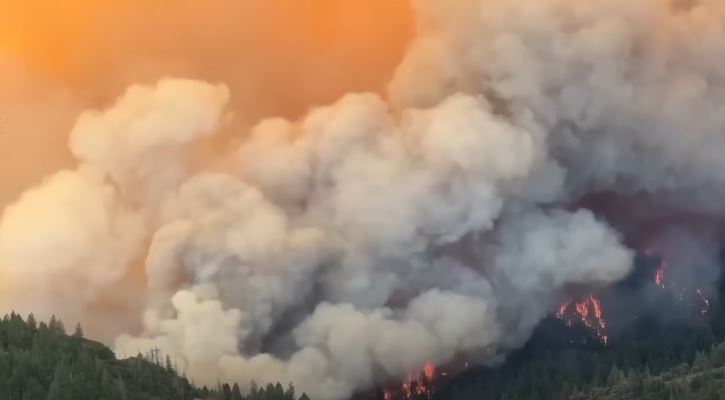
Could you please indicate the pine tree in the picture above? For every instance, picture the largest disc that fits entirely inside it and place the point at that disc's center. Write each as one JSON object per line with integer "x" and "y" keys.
{"x": 254, "y": 391}
{"x": 701, "y": 362}
{"x": 226, "y": 391}
{"x": 78, "y": 333}
{"x": 54, "y": 392}
{"x": 34, "y": 390}
{"x": 108, "y": 384}
{"x": 168, "y": 365}
{"x": 32, "y": 322}
{"x": 122, "y": 392}
{"x": 615, "y": 377}
{"x": 56, "y": 325}
{"x": 236, "y": 392}
{"x": 289, "y": 394}
{"x": 60, "y": 386}
{"x": 278, "y": 392}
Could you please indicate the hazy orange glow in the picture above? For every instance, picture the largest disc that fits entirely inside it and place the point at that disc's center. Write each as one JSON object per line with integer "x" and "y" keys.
{"x": 43, "y": 34}
{"x": 278, "y": 57}
{"x": 308, "y": 50}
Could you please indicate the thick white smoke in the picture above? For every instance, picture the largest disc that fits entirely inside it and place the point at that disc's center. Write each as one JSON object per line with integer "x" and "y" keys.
{"x": 631, "y": 92}
{"x": 372, "y": 236}
{"x": 68, "y": 241}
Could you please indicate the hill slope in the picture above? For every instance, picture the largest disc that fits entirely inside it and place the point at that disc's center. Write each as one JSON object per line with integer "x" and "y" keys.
{"x": 39, "y": 361}
{"x": 704, "y": 379}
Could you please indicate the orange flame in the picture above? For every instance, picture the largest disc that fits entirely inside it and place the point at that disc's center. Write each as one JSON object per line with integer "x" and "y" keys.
{"x": 588, "y": 312}
{"x": 679, "y": 293}
{"x": 660, "y": 274}
{"x": 415, "y": 384}
{"x": 429, "y": 369}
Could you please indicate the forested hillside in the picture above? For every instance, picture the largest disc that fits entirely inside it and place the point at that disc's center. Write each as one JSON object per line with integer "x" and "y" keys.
{"x": 560, "y": 361}
{"x": 678, "y": 358}
{"x": 653, "y": 361}
{"x": 39, "y": 361}
{"x": 703, "y": 379}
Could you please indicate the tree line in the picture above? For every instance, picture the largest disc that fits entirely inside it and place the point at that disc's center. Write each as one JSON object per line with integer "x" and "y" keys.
{"x": 40, "y": 361}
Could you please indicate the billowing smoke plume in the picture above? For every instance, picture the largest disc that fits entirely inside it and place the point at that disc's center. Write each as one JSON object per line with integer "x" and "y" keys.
{"x": 630, "y": 92}
{"x": 328, "y": 257}
{"x": 368, "y": 237}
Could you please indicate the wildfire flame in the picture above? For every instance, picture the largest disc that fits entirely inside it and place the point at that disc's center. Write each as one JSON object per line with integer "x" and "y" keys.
{"x": 418, "y": 385}
{"x": 681, "y": 292}
{"x": 588, "y": 312}
{"x": 660, "y": 275}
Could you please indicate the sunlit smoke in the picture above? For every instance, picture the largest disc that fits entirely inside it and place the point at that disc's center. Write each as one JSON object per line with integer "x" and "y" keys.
{"x": 278, "y": 57}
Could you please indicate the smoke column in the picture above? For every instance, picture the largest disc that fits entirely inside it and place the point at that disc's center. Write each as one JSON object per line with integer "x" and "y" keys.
{"x": 358, "y": 241}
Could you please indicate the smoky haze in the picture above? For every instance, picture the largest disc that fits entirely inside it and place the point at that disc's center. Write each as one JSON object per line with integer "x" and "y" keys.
{"x": 218, "y": 210}
{"x": 278, "y": 57}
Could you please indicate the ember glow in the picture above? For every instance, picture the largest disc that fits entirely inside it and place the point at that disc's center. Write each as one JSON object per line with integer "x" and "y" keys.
{"x": 660, "y": 275}
{"x": 682, "y": 291}
{"x": 705, "y": 302}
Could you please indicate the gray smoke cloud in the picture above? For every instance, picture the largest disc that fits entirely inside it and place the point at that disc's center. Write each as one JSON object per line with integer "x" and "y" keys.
{"x": 373, "y": 235}
{"x": 630, "y": 92}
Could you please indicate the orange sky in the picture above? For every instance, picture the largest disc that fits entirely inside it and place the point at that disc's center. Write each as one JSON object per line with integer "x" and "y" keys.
{"x": 277, "y": 56}
{"x": 307, "y": 50}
